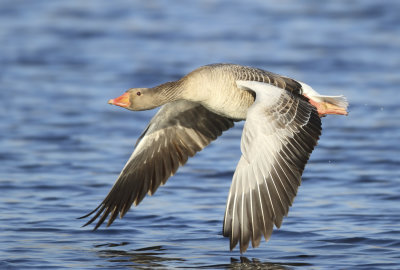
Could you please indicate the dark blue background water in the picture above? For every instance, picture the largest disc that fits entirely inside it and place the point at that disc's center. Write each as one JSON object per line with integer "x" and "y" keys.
{"x": 62, "y": 146}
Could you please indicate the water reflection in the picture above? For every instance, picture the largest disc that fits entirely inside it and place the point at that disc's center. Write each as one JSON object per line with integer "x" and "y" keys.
{"x": 157, "y": 257}
{"x": 143, "y": 258}
{"x": 246, "y": 263}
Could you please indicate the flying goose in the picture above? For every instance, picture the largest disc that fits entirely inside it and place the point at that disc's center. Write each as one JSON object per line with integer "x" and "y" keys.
{"x": 283, "y": 125}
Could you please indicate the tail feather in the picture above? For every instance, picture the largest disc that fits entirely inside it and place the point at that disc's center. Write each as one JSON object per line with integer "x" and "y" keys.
{"x": 340, "y": 101}
{"x": 325, "y": 104}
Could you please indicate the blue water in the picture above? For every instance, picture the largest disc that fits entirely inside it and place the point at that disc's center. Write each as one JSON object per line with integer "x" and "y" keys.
{"x": 62, "y": 146}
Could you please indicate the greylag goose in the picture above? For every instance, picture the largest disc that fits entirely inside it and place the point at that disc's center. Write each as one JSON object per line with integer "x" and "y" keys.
{"x": 282, "y": 128}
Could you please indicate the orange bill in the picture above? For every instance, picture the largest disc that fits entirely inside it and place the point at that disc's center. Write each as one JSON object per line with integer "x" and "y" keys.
{"x": 122, "y": 101}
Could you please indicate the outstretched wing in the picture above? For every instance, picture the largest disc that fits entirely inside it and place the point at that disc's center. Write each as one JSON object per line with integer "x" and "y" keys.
{"x": 176, "y": 132}
{"x": 279, "y": 135}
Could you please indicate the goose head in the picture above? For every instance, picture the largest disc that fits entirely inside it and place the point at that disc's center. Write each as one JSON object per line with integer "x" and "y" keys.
{"x": 138, "y": 99}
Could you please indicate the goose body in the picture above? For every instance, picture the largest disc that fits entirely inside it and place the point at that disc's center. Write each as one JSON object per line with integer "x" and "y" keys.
{"x": 282, "y": 128}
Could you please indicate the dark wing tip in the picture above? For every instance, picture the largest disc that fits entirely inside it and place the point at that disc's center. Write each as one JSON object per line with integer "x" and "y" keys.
{"x": 99, "y": 212}
{"x": 89, "y": 214}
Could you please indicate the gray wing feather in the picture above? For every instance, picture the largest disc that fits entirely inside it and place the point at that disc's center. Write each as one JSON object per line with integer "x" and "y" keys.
{"x": 276, "y": 143}
{"x": 178, "y": 131}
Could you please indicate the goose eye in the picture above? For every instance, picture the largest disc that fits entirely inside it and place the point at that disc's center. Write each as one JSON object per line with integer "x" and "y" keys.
{"x": 138, "y": 93}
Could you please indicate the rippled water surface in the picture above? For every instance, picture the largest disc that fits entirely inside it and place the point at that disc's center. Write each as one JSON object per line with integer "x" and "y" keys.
{"x": 62, "y": 146}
